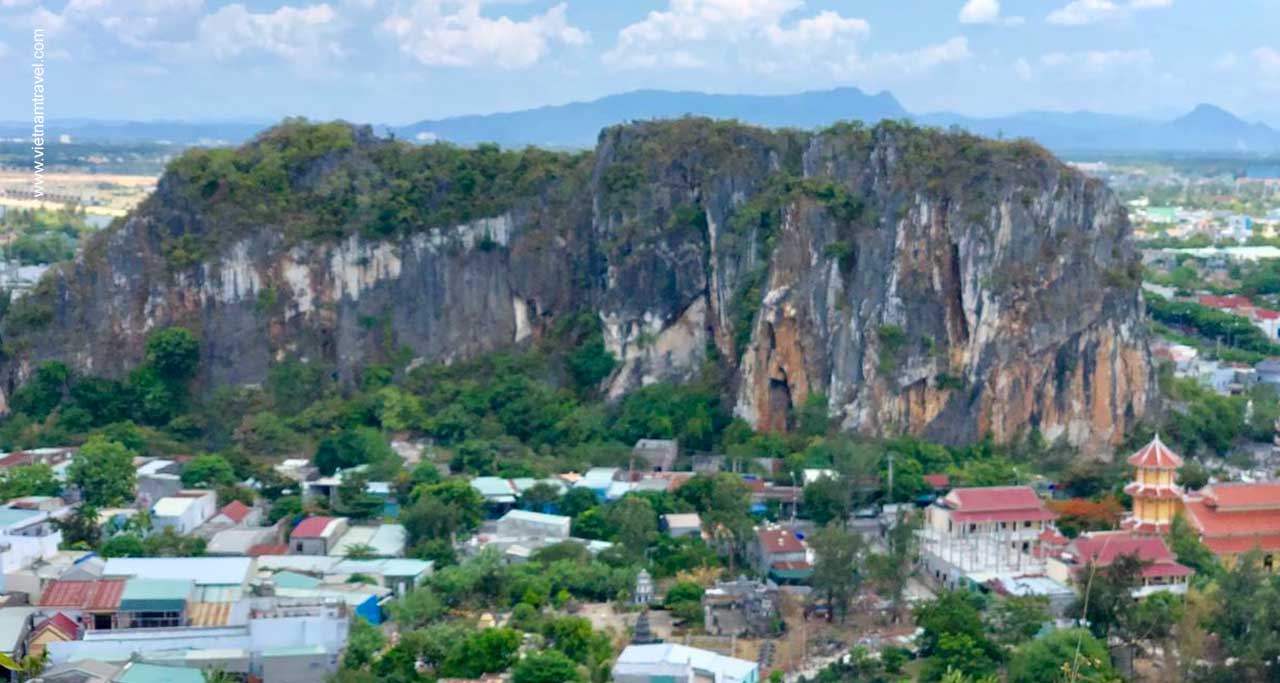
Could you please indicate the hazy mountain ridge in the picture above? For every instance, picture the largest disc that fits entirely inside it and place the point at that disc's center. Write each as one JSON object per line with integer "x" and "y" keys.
{"x": 1206, "y": 128}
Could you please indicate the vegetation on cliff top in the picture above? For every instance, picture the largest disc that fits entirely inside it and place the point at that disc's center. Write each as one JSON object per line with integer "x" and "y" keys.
{"x": 329, "y": 180}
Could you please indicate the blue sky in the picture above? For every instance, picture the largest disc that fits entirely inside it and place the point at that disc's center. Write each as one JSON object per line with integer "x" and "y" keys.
{"x": 398, "y": 61}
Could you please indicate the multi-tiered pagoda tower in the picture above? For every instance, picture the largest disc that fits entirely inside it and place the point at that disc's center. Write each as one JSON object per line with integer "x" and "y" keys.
{"x": 1156, "y": 494}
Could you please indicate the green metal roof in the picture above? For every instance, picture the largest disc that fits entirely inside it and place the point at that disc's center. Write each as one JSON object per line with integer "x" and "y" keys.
{"x": 289, "y": 579}
{"x": 295, "y": 651}
{"x": 139, "y": 672}
{"x": 155, "y": 595}
{"x": 10, "y": 516}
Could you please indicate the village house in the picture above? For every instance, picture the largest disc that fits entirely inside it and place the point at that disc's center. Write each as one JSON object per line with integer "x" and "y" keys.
{"x": 744, "y": 607}
{"x": 317, "y": 535}
{"x": 672, "y": 663}
{"x": 1100, "y": 549}
{"x": 781, "y": 554}
{"x": 184, "y": 511}
{"x": 973, "y": 535}
{"x": 681, "y": 525}
{"x": 659, "y": 454}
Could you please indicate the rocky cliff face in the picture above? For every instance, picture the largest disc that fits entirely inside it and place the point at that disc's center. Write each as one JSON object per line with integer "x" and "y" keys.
{"x": 919, "y": 282}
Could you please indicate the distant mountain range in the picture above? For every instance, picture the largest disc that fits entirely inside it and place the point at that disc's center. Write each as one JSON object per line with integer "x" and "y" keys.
{"x": 1206, "y": 128}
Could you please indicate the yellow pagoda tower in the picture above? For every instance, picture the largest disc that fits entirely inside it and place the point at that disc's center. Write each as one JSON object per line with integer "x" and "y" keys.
{"x": 1154, "y": 489}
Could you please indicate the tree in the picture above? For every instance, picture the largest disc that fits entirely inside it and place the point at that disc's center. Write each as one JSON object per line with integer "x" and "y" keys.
{"x": 174, "y": 352}
{"x": 1190, "y": 551}
{"x": 828, "y": 499}
{"x": 356, "y": 446}
{"x": 482, "y": 652}
{"x": 284, "y": 506}
{"x": 1015, "y": 619}
{"x": 208, "y": 471}
{"x": 954, "y": 637}
{"x": 1105, "y": 594}
{"x": 80, "y": 528}
{"x": 684, "y": 600}
{"x": 43, "y": 392}
{"x": 353, "y": 498}
{"x": 541, "y": 497}
{"x": 548, "y": 666}
{"x": 103, "y": 470}
{"x": 364, "y": 642}
{"x": 442, "y": 511}
{"x": 892, "y": 569}
{"x": 1062, "y": 656}
{"x": 36, "y": 479}
{"x": 839, "y": 554}
{"x": 636, "y": 524}
{"x": 123, "y": 545}
{"x": 723, "y": 501}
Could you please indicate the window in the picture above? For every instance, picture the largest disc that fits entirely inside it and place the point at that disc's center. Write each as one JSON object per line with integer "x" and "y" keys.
{"x": 1026, "y": 524}
{"x": 155, "y": 619}
{"x": 1268, "y": 562}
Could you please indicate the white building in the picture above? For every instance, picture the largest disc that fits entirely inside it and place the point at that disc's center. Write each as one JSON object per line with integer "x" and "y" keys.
{"x": 524, "y": 524}
{"x": 26, "y": 536}
{"x": 184, "y": 511}
{"x": 672, "y": 663}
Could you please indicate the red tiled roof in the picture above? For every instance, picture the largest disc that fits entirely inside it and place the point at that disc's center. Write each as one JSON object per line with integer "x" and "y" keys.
{"x": 937, "y": 481}
{"x": 1233, "y": 301}
{"x": 1241, "y": 497}
{"x": 779, "y": 541}
{"x": 103, "y": 594}
{"x": 1103, "y": 548}
{"x": 1138, "y": 490}
{"x": 1166, "y": 569}
{"x": 1156, "y": 455}
{"x": 267, "y": 549}
{"x": 790, "y": 566}
{"x": 994, "y": 498}
{"x": 1266, "y": 314}
{"x": 61, "y": 623}
{"x": 235, "y": 511}
{"x": 1051, "y": 535}
{"x": 1234, "y": 545}
{"x": 311, "y": 527}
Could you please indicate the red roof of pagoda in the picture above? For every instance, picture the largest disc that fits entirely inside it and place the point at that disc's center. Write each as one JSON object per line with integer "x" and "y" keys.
{"x": 1156, "y": 456}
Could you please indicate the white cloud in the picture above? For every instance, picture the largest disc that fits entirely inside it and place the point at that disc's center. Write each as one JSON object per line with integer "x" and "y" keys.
{"x": 1022, "y": 68}
{"x": 952, "y": 50}
{"x": 305, "y": 35}
{"x": 1096, "y": 62}
{"x": 1267, "y": 59}
{"x": 985, "y": 12}
{"x": 1085, "y": 12}
{"x": 136, "y": 23}
{"x": 9, "y": 4}
{"x": 456, "y": 33}
{"x": 1227, "y": 61}
{"x": 761, "y": 34}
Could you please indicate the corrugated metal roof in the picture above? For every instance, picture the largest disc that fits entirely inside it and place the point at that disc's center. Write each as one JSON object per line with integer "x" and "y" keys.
{"x": 89, "y": 595}
{"x": 287, "y": 579}
{"x": 210, "y": 613}
{"x": 139, "y": 672}
{"x": 202, "y": 570}
{"x": 155, "y": 595}
{"x": 314, "y": 527}
{"x": 10, "y": 516}
{"x": 13, "y": 626}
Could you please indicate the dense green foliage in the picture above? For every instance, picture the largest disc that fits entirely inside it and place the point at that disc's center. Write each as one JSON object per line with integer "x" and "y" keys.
{"x": 328, "y": 180}
{"x": 42, "y": 236}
